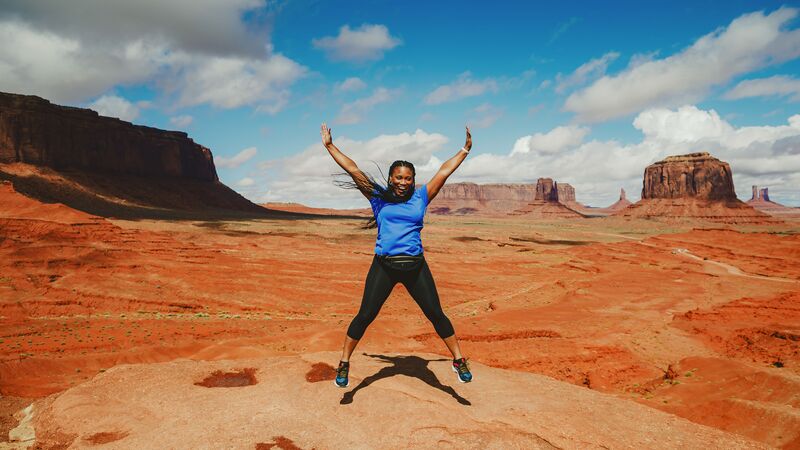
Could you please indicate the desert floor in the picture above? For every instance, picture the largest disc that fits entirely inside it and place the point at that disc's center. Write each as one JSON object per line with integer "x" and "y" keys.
{"x": 698, "y": 320}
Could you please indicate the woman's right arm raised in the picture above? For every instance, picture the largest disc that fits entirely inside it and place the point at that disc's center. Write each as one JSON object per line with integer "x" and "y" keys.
{"x": 345, "y": 163}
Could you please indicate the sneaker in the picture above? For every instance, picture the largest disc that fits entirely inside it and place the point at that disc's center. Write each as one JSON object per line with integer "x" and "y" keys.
{"x": 461, "y": 367}
{"x": 342, "y": 373}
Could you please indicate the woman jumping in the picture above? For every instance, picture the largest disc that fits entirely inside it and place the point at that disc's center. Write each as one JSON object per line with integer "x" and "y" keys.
{"x": 398, "y": 210}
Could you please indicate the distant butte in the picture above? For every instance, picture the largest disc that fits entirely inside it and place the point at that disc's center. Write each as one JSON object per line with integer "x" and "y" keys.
{"x": 761, "y": 201}
{"x": 107, "y": 166}
{"x": 695, "y": 185}
{"x": 471, "y": 198}
{"x": 552, "y": 200}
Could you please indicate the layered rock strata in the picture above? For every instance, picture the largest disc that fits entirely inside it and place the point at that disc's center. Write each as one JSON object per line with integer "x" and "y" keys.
{"x": 696, "y": 186}
{"x": 552, "y": 200}
{"x": 472, "y": 198}
{"x": 106, "y": 166}
{"x": 760, "y": 201}
{"x": 35, "y": 131}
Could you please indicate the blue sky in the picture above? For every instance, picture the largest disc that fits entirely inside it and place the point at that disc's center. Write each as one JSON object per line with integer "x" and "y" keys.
{"x": 582, "y": 92}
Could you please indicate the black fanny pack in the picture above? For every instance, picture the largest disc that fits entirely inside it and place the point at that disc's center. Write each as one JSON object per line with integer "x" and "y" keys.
{"x": 404, "y": 263}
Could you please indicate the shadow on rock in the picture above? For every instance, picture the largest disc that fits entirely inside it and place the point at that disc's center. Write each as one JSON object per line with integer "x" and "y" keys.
{"x": 410, "y": 366}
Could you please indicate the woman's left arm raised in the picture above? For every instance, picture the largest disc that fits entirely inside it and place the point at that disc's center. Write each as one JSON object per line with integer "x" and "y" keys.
{"x": 448, "y": 168}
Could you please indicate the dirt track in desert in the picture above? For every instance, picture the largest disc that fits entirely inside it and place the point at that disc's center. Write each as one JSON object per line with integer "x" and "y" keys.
{"x": 701, "y": 323}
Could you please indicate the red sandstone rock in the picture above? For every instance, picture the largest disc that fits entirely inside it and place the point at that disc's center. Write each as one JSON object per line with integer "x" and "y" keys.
{"x": 565, "y": 193}
{"x": 471, "y": 198}
{"x": 552, "y": 200}
{"x": 760, "y": 201}
{"x": 696, "y": 185}
{"x": 622, "y": 203}
{"x": 106, "y": 166}
{"x": 545, "y": 190}
{"x": 697, "y": 175}
{"x": 35, "y": 131}
{"x": 138, "y": 405}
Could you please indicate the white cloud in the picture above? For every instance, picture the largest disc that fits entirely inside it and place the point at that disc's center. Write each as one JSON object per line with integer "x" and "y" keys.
{"x": 589, "y": 70}
{"x": 245, "y": 182}
{"x": 237, "y": 160}
{"x": 750, "y": 42}
{"x": 232, "y": 82}
{"x": 778, "y": 85}
{"x": 352, "y": 113}
{"x": 366, "y": 43}
{"x": 464, "y": 86}
{"x": 485, "y": 116}
{"x": 113, "y": 106}
{"x": 427, "y": 117}
{"x": 307, "y": 176}
{"x": 198, "y": 52}
{"x": 553, "y": 141}
{"x": 181, "y": 121}
{"x": 351, "y": 84}
{"x": 766, "y": 156}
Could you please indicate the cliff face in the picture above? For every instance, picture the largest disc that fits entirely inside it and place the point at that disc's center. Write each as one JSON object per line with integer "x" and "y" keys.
{"x": 471, "y": 198}
{"x": 696, "y": 175}
{"x": 693, "y": 186}
{"x": 37, "y": 132}
{"x": 472, "y": 191}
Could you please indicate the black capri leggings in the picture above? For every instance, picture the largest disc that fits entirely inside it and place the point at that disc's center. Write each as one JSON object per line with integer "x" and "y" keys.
{"x": 380, "y": 282}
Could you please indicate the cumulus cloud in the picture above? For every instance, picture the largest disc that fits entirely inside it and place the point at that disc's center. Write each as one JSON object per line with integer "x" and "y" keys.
{"x": 181, "y": 121}
{"x": 750, "y": 42}
{"x": 237, "y": 160}
{"x": 594, "y": 68}
{"x": 307, "y": 177}
{"x": 485, "y": 116}
{"x": 231, "y": 82}
{"x": 245, "y": 182}
{"x": 778, "y": 85}
{"x": 768, "y": 156}
{"x": 365, "y": 43}
{"x": 198, "y": 52}
{"x": 553, "y": 141}
{"x": 114, "y": 106}
{"x": 352, "y": 113}
{"x": 464, "y": 86}
{"x": 764, "y": 155}
{"x": 351, "y": 84}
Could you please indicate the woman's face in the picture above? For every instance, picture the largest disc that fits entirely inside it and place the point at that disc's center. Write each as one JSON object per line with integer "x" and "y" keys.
{"x": 401, "y": 178}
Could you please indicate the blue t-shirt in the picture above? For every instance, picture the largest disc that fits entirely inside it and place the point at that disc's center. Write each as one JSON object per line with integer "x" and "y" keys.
{"x": 399, "y": 224}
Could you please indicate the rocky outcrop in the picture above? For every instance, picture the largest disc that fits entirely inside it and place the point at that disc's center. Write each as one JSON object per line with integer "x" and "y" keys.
{"x": 35, "y": 131}
{"x": 135, "y": 405}
{"x": 545, "y": 190}
{"x": 552, "y": 200}
{"x": 565, "y": 193}
{"x": 622, "y": 203}
{"x": 760, "y": 201}
{"x": 696, "y": 175}
{"x": 108, "y": 167}
{"x": 472, "y": 198}
{"x": 693, "y": 186}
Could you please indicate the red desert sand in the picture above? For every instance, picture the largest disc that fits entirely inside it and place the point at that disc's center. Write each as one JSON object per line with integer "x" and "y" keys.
{"x": 621, "y": 314}
{"x": 145, "y": 304}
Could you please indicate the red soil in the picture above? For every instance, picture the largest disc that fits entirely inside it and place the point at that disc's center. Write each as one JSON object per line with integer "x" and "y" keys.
{"x": 320, "y": 372}
{"x": 584, "y": 301}
{"x": 240, "y": 378}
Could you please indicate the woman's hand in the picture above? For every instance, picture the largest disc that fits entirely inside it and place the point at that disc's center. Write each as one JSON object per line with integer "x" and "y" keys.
{"x": 468, "y": 145}
{"x": 326, "y": 135}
